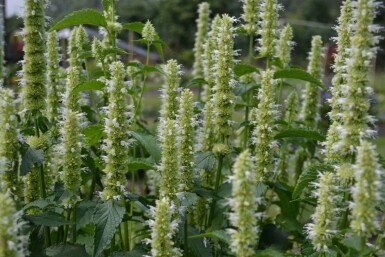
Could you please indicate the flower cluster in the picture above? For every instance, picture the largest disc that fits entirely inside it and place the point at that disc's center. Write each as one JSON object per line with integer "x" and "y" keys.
{"x": 148, "y": 32}
{"x": 117, "y": 130}
{"x": 339, "y": 82}
{"x": 311, "y": 95}
{"x": 9, "y": 155}
{"x": 250, "y": 16}
{"x": 210, "y": 57}
{"x": 362, "y": 52}
{"x": 53, "y": 84}
{"x": 224, "y": 96}
{"x": 291, "y": 105}
{"x": 244, "y": 206}
{"x": 186, "y": 140}
{"x": 285, "y": 45}
{"x": 163, "y": 229}
{"x": 201, "y": 34}
{"x": 322, "y": 229}
{"x": 12, "y": 243}
{"x": 263, "y": 136}
{"x": 268, "y": 27}
{"x": 366, "y": 191}
{"x": 34, "y": 64}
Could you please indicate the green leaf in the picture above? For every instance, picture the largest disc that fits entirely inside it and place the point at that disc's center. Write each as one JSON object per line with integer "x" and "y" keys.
{"x": 88, "y": 85}
{"x": 190, "y": 82}
{"x": 93, "y": 134}
{"x": 220, "y": 235}
{"x": 113, "y": 50}
{"x": 294, "y": 73}
{"x": 29, "y": 158}
{"x": 308, "y": 176}
{"x": 301, "y": 133}
{"x": 197, "y": 245}
{"x": 205, "y": 161}
{"x": 107, "y": 218}
{"x": 187, "y": 199}
{"x": 84, "y": 213}
{"x": 85, "y": 16}
{"x": 241, "y": 69}
{"x": 241, "y": 89}
{"x": 66, "y": 250}
{"x": 134, "y": 26}
{"x": 150, "y": 143}
{"x": 269, "y": 253}
{"x": 140, "y": 164}
{"x": 40, "y": 203}
{"x": 49, "y": 219}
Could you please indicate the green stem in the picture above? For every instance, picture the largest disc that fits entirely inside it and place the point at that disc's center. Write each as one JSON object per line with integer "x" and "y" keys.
{"x": 130, "y": 228}
{"x": 66, "y": 228}
{"x": 186, "y": 237}
{"x": 73, "y": 214}
{"x": 280, "y": 92}
{"x": 216, "y": 187}
{"x": 379, "y": 238}
{"x": 112, "y": 249}
{"x": 125, "y": 228}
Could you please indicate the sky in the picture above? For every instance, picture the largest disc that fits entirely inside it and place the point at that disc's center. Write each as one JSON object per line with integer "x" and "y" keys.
{"x": 13, "y": 7}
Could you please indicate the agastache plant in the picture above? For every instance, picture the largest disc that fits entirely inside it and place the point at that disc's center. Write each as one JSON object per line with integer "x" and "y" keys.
{"x": 366, "y": 191}
{"x": 339, "y": 81}
{"x": 268, "y": 27}
{"x": 170, "y": 93}
{"x": 250, "y": 15}
{"x": 117, "y": 130}
{"x": 54, "y": 84}
{"x": 186, "y": 130}
{"x": 209, "y": 58}
{"x": 285, "y": 45}
{"x": 169, "y": 164}
{"x": 263, "y": 134}
{"x": 201, "y": 34}
{"x": 34, "y": 65}
{"x": 362, "y": 52}
{"x": 291, "y": 105}
{"x": 310, "y": 107}
{"x": 321, "y": 231}
{"x": 12, "y": 243}
{"x": 224, "y": 96}
{"x": 244, "y": 204}
{"x": 9, "y": 156}
{"x": 163, "y": 229}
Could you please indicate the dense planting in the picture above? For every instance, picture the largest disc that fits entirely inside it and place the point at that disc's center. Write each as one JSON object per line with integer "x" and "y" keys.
{"x": 237, "y": 164}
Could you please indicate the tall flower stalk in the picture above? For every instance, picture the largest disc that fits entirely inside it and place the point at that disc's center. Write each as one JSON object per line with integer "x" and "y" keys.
{"x": 321, "y": 231}
{"x": 34, "y": 64}
{"x": 339, "y": 82}
{"x": 263, "y": 136}
{"x": 201, "y": 34}
{"x": 311, "y": 95}
{"x": 244, "y": 206}
{"x": 9, "y": 156}
{"x": 268, "y": 27}
{"x": 117, "y": 130}
{"x": 362, "y": 52}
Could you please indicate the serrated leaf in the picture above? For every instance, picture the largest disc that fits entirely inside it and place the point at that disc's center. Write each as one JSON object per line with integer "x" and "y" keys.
{"x": 241, "y": 69}
{"x": 301, "y": 133}
{"x": 220, "y": 235}
{"x": 190, "y": 82}
{"x": 66, "y": 250}
{"x": 294, "y": 73}
{"x": 308, "y": 176}
{"x": 93, "y": 134}
{"x": 150, "y": 143}
{"x": 88, "y": 85}
{"x": 84, "y": 213}
{"x": 241, "y": 89}
{"x": 205, "y": 161}
{"x": 29, "y": 158}
{"x": 85, "y": 16}
{"x": 140, "y": 164}
{"x": 107, "y": 218}
{"x": 48, "y": 219}
{"x": 187, "y": 199}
